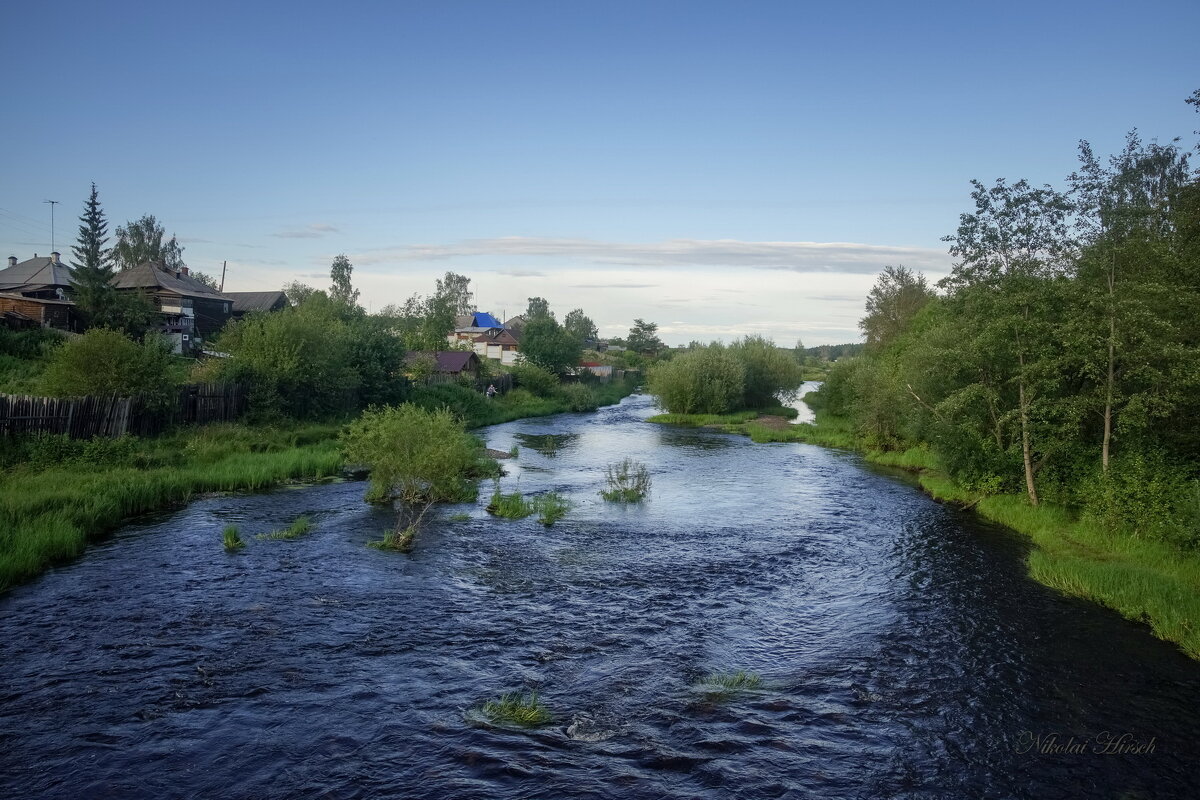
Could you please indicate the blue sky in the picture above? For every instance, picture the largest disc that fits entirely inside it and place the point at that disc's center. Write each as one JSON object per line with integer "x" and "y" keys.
{"x": 719, "y": 168}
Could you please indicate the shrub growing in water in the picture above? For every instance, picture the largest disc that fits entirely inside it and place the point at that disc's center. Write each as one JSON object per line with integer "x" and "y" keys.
{"x": 415, "y": 454}
{"x": 628, "y": 481}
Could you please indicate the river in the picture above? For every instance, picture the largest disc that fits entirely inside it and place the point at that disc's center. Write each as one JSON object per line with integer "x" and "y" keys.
{"x": 902, "y": 649}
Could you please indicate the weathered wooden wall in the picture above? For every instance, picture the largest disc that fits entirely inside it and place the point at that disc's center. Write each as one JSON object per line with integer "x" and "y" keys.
{"x": 86, "y": 417}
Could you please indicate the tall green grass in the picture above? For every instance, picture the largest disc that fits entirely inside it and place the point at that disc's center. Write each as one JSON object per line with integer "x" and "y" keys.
{"x": 299, "y": 527}
{"x": 48, "y": 516}
{"x": 517, "y": 708}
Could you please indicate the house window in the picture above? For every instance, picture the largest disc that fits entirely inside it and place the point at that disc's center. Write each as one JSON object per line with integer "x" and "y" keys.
{"x": 226, "y": 308}
{"x": 185, "y": 302}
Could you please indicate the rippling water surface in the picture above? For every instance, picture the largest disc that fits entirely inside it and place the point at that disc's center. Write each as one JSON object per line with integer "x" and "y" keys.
{"x": 903, "y": 651}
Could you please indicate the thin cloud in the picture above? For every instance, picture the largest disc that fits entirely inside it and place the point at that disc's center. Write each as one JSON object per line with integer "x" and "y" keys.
{"x": 312, "y": 231}
{"x": 839, "y": 257}
{"x": 521, "y": 273}
{"x": 614, "y": 285}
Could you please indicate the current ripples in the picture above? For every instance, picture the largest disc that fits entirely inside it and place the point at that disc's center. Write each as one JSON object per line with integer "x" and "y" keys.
{"x": 902, "y": 649}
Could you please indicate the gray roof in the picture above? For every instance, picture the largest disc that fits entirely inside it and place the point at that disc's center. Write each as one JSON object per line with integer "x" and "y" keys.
{"x": 244, "y": 302}
{"x": 151, "y": 275}
{"x": 36, "y": 273}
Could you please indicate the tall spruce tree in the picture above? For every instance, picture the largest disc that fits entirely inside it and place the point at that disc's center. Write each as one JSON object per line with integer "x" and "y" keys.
{"x": 93, "y": 266}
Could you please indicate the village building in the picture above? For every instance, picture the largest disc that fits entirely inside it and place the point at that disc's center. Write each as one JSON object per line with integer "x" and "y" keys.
{"x": 192, "y": 311}
{"x": 468, "y": 326}
{"x": 498, "y": 344}
{"x": 446, "y": 364}
{"x": 36, "y": 292}
{"x": 246, "y": 302}
{"x": 46, "y": 277}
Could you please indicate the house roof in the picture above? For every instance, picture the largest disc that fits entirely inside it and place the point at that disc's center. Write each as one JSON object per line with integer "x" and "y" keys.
{"x": 516, "y": 322}
{"x": 152, "y": 275}
{"x": 244, "y": 302}
{"x": 498, "y": 337}
{"x": 33, "y": 274}
{"x": 451, "y": 361}
{"x": 482, "y": 319}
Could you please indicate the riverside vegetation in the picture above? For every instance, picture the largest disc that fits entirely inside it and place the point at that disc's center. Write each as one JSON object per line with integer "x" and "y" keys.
{"x": 312, "y": 368}
{"x": 1053, "y": 383}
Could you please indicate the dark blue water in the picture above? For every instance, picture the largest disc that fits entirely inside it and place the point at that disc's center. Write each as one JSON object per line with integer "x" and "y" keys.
{"x": 903, "y": 651}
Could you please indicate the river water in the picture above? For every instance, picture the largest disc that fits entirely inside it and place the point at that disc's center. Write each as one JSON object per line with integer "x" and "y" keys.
{"x": 903, "y": 651}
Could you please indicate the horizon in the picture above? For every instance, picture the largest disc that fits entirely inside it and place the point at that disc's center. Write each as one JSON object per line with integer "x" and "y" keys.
{"x": 719, "y": 172}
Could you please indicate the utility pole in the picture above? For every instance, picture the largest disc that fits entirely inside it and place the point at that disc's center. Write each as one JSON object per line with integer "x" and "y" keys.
{"x": 223, "y": 265}
{"x": 52, "y": 203}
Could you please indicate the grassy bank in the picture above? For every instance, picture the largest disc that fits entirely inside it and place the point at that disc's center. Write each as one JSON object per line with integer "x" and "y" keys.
{"x": 48, "y": 512}
{"x": 1143, "y": 580}
{"x": 56, "y": 494}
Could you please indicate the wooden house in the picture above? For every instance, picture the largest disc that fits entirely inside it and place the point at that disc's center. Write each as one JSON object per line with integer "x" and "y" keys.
{"x": 18, "y": 311}
{"x": 192, "y": 311}
{"x": 37, "y": 291}
{"x": 498, "y": 344}
{"x": 448, "y": 364}
{"x": 246, "y": 302}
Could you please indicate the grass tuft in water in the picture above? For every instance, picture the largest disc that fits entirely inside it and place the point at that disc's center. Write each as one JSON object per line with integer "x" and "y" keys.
{"x": 517, "y": 708}
{"x": 232, "y": 539}
{"x": 300, "y": 526}
{"x": 460, "y": 517}
{"x": 628, "y": 482}
{"x": 400, "y": 539}
{"x": 727, "y": 684}
{"x": 551, "y": 507}
{"x": 509, "y": 506}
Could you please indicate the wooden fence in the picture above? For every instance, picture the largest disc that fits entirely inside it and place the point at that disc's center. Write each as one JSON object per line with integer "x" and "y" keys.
{"x": 86, "y": 417}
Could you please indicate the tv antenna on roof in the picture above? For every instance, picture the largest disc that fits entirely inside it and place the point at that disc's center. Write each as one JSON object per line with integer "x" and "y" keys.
{"x": 52, "y": 203}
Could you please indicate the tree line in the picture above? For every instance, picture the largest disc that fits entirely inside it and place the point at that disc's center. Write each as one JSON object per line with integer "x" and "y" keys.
{"x": 1060, "y": 358}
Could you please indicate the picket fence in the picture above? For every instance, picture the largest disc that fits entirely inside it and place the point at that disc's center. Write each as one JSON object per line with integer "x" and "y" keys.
{"x": 86, "y": 417}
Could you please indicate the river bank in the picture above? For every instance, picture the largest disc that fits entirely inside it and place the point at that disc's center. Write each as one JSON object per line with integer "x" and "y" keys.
{"x": 1143, "y": 580}
{"x": 63, "y": 493}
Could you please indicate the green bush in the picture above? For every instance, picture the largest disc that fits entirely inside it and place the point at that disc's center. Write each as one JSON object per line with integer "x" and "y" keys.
{"x": 297, "y": 360}
{"x": 467, "y": 404}
{"x": 414, "y": 454}
{"x": 105, "y": 362}
{"x": 771, "y": 375}
{"x": 1144, "y": 496}
{"x": 530, "y": 376}
{"x": 578, "y": 397}
{"x": 706, "y": 380}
